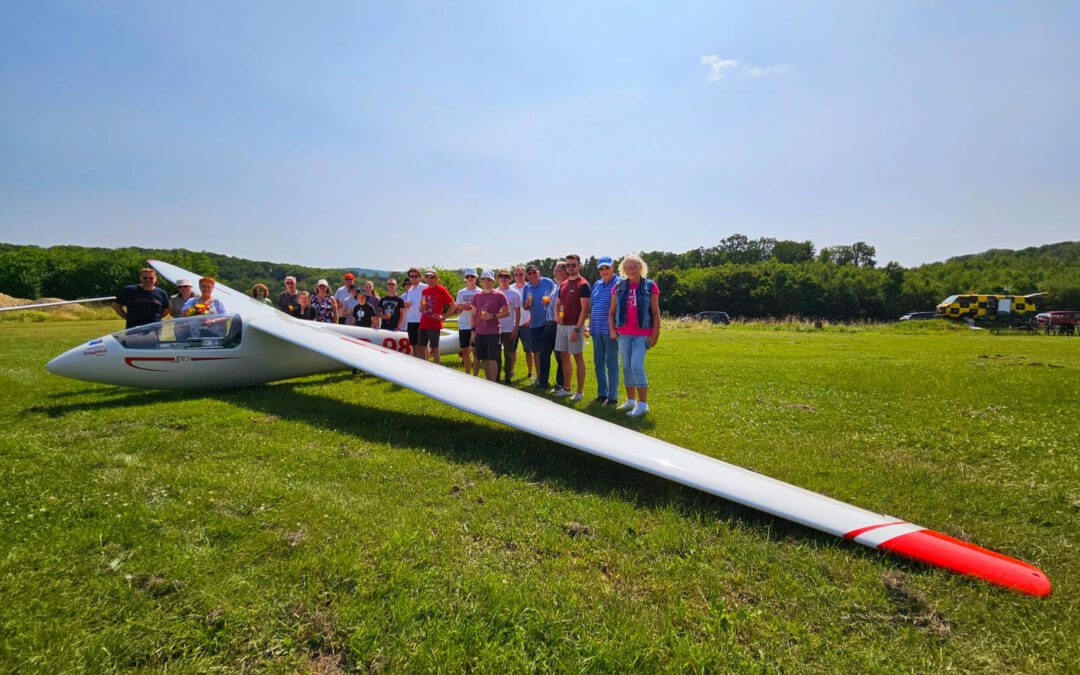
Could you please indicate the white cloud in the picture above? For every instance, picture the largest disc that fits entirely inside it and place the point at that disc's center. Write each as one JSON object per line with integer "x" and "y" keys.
{"x": 718, "y": 67}
{"x": 761, "y": 71}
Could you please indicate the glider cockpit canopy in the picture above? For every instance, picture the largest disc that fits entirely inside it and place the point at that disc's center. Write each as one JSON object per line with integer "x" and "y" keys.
{"x": 217, "y": 331}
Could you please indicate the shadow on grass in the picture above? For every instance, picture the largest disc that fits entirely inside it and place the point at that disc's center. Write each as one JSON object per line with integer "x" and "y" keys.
{"x": 503, "y": 450}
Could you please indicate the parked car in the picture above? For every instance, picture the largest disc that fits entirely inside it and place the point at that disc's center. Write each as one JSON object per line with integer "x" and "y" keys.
{"x": 1065, "y": 321}
{"x": 918, "y": 316}
{"x": 714, "y": 317}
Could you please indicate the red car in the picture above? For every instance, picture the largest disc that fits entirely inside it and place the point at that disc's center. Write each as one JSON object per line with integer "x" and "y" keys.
{"x": 1066, "y": 321}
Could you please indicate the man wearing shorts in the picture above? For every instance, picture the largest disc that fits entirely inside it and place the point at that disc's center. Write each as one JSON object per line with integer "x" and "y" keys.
{"x": 412, "y": 299}
{"x": 436, "y": 304}
{"x": 508, "y": 327}
{"x": 491, "y": 306}
{"x": 525, "y": 323}
{"x": 466, "y": 321}
{"x": 572, "y": 309}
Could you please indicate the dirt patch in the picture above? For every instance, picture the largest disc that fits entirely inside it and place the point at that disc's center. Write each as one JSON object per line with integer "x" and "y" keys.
{"x": 154, "y": 585}
{"x": 575, "y": 529}
{"x": 806, "y": 407}
{"x": 327, "y": 645}
{"x": 913, "y": 607}
{"x": 294, "y": 539}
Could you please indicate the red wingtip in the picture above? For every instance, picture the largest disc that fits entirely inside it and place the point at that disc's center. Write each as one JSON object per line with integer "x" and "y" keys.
{"x": 942, "y": 550}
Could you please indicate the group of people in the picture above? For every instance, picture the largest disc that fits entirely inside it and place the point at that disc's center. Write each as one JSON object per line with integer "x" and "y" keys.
{"x": 496, "y": 312}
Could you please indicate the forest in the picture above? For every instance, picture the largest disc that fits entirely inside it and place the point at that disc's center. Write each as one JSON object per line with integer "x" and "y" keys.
{"x": 745, "y": 277}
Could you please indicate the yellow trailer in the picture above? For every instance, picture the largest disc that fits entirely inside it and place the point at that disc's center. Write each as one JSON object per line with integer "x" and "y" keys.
{"x": 1013, "y": 309}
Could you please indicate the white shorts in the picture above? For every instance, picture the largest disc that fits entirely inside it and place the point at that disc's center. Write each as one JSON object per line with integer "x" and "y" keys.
{"x": 563, "y": 343}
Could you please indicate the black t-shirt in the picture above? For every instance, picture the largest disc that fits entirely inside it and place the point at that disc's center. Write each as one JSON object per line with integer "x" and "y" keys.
{"x": 364, "y": 313}
{"x": 392, "y": 306}
{"x": 142, "y": 306}
{"x": 289, "y": 303}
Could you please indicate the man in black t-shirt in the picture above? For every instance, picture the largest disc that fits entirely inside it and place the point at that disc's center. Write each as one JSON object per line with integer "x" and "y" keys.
{"x": 142, "y": 303}
{"x": 364, "y": 311}
{"x": 391, "y": 306}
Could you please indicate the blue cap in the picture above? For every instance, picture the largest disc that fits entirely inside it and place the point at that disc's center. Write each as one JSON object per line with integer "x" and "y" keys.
{"x": 470, "y": 272}
{"x": 604, "y": 261}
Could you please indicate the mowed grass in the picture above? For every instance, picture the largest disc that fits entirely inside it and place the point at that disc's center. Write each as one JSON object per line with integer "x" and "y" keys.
{"x": 342, "y": 523}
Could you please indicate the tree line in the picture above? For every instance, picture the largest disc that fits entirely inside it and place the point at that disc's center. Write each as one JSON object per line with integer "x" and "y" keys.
{"x": 745, "y": 277}
{"x": 73, "y": 272}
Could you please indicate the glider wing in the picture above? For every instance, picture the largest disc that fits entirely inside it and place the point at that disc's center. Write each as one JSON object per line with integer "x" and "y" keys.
{"x": 563, "y": 425}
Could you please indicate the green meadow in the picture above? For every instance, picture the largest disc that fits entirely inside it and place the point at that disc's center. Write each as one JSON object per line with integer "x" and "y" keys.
{"x": 339, "y": 523}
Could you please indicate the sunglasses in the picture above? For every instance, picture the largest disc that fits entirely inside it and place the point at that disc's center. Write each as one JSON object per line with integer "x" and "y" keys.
{"x": 572, "y": 265}
{"x": 414, "y": 276}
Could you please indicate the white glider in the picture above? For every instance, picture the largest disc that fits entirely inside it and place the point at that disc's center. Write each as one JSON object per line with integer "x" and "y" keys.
{"x": 260, "y": 344}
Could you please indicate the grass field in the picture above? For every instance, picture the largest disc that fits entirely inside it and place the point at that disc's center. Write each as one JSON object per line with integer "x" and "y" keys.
{"x": 340, "y": 523}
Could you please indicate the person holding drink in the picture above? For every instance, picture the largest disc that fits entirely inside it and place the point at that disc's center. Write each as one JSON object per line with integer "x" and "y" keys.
{"x": 436, "y": 304}
{"x": 491, "y": 305}
{"x": 465, "y": 321}
{"x": 391, "y": 307}
{"x": 412, "y": 299}
{"x": 535, "y": 297}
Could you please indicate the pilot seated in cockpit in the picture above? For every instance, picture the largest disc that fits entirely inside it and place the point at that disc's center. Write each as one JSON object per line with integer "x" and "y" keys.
{"x": 205, "y": 304}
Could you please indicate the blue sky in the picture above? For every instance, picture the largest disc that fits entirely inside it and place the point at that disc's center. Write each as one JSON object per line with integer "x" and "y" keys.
{"x": 386, "y": 134}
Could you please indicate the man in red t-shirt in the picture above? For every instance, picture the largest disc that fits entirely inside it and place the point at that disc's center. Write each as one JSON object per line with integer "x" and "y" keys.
{"x": 572, "y": 308}
{"x": 436, "y": 304}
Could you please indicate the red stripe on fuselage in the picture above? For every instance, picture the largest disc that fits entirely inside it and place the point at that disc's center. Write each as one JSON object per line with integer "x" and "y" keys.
{"x": 130, "y": 360}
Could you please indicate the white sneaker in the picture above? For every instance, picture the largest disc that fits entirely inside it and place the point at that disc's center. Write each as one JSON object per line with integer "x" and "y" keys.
{"x": 577, "y": 397}
{"x": 639, "y": 410}
{"x": 562, "y": 392}
{"x": 628, "y": 404}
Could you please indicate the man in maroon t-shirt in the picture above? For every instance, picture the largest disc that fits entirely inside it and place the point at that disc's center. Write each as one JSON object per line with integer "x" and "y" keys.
{"x": 491, "y": 305}
{"x": 572, "y": 308}
{"x": 436, "y": 304}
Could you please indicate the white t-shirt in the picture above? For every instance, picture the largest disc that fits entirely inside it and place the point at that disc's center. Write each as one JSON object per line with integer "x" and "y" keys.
{"x": 342, "y": 295}
{"x": 465, "y": 319}
{"x": 349, "y": 306}
{"x": 412, "y": 296}
{"x": 513, "y": 298}
{"x": 526, "y": 316}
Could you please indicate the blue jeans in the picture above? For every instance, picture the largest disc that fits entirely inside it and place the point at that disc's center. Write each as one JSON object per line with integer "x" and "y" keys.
{"x": 543, "y": 339}
{"x": 632, "y": 352}
{"x": 606, "y": 362}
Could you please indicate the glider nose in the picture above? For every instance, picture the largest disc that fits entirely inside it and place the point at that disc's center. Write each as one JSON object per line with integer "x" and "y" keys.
{"x": 84, "y": 362}
{"x": 65, "y": 365}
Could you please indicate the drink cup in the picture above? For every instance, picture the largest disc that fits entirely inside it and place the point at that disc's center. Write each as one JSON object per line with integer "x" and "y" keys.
{"x": 547, "y": 299}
